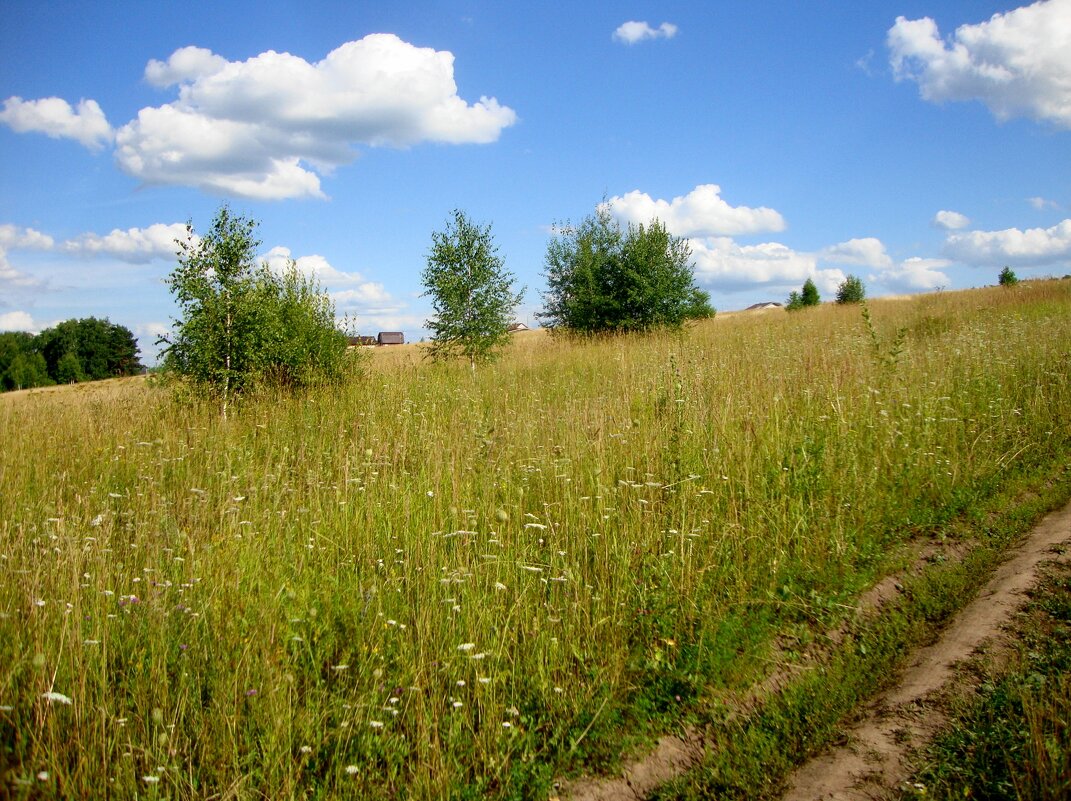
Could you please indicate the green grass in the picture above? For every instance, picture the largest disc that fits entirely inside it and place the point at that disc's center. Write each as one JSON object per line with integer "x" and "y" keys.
{"x": 428, "y": 585}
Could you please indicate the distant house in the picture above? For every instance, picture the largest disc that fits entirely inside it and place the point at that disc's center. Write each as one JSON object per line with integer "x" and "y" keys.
{"x": 770, "y": 304}
{"x": 358, "y": 342}
{"x": 516, "y": 327}
{"x": 390, "y": 338}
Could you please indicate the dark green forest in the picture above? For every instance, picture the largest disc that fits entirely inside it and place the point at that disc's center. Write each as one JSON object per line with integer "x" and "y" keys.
{"x": 74, "y": 350}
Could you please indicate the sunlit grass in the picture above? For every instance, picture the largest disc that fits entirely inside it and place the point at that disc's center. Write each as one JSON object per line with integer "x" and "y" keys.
{"x": 424, "y": 583}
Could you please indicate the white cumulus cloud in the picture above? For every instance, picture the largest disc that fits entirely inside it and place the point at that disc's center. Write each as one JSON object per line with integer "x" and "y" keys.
{"x": 13, "y": 237}
{"x": 863, "y": 252}
{"x": 951, "y": 220}
{"x": 1034, "y": 247}
{"x": 17, "y": 321}
{"x": 723, "y": 264}
{"x": 313, "y": 266}
{"x": 632, "y": 32}
{"x": 54, "y": 117}
{"x": 701, "y": 212}
{"x": 270, "y": 126}
{"x": 365, "y": 294}
{"x": 185, "y": 64}
{"x": 1017, "y": 63}
{"x": 134, "y": 245}
{"x": 914, "y": 274}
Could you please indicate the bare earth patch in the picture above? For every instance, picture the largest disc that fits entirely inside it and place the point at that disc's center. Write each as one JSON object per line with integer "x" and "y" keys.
{"x": 874, "y": 758}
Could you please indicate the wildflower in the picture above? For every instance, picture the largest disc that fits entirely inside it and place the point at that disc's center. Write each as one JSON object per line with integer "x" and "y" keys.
{"x": 58, "y": 698}
{"x": 376, "y": 724}
{"x": 305, "y": 749}
{"x": 150, "y": 779}
{"x": 43, "y": 776}
{"x": 466, "y": 646}
{"x": 352, "y": 770}
{"x": 250, "y": 693}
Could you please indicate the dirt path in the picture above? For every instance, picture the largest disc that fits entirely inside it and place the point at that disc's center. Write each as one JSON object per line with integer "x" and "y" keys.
{"x": 874, "y": 759}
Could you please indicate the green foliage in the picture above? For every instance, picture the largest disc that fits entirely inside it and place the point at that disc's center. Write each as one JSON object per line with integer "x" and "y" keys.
{"x": 88, "y": 349}
{"x": 1008, "y": 277}
{"x": 74, "y": 350}
{"x": 808, "y": 296}
{"x": 471, "y": 292}
{"x": 851, "y": 290}
{"x": 603, "y": 279}
{"x": 69, "y": 369}
{"x": 21, "y": 365}
{"x": 885, "y": 355}
{"x": 241, "y": 324}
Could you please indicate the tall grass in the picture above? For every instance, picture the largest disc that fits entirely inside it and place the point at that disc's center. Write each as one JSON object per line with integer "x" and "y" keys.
{"x": 427, "y": 584}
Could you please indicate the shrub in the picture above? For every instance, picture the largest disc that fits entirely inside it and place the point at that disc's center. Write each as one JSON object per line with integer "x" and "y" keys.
{"x": 1008, "y": 277}
{"x": 808, "y": 296}
{"x": 605, "y": 279}
{"x": 851, "y": 290}
{"x": 241, "y": 323}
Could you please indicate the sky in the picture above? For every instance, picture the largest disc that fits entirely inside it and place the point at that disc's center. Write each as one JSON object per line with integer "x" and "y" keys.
{"x": 917, "y": 144}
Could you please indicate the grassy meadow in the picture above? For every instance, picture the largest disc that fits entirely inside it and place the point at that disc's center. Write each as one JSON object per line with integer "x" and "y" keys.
{"x": 426, "y": 584}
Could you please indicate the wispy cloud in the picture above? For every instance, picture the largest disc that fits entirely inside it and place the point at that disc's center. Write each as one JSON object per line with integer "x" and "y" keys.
{"x": 633, "y": 32}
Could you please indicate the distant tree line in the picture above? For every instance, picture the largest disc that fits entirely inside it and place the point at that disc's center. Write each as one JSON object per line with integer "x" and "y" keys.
{"x": 74, "y": 350}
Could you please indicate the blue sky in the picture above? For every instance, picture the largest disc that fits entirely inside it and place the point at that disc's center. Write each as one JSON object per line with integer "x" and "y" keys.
{"x": 916, "y": 144}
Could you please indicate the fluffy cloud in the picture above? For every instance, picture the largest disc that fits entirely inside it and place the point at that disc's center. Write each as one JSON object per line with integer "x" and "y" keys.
{"x": 1034, "y": 247}
{"x": 185, "y": 64}
{"x": 134, "y": 245}
{"x": 269, "y": 126}
{"x": 367, "y": 293}
{"x": 865, "y": 252}
{"x": 54, "y": 117}
{"x": 313, "y": 266}
{"x": 12, "y": 237}
{"x": 1018, "y": 63}
{"x": 701, "y": 212}
{"x": 632, "y": 32}
{"x": 17, "y": 321}
{"x": 914, "y": 274}
{"x": 951, "y": 220}
{"x": 722, "y": 263}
